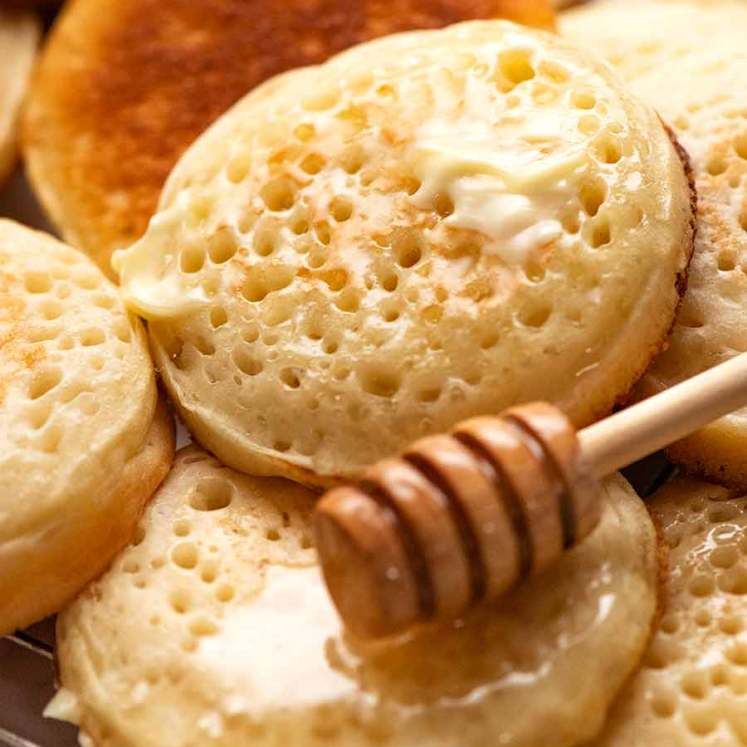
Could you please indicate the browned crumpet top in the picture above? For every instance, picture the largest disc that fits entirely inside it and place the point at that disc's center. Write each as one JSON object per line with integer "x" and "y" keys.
{"x": 120, "y": 94}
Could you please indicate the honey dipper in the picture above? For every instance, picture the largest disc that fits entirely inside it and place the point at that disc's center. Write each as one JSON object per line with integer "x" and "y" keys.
{"x": 462, "y": 518}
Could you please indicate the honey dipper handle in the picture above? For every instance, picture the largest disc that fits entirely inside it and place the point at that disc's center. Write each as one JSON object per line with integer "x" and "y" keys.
{"x": 656, "y": 422}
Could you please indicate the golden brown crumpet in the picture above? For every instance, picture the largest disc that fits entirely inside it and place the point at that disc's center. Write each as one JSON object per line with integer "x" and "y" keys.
{"x": 230, "y": 638}
{"x": 83, "y": 443}
{"x": 700, "y": 88}
{"x": 692, "y": 688}
{"x": 120, "y": 94}
{"x": 357, "y": 255}
{"x": 19, "y": 36}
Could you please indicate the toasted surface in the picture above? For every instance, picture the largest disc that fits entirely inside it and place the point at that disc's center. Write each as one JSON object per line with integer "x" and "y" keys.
{"x": 347, "y": 265}
{"x": 231, "y": 638}
{"x": 120, "y": 95}
{"x": 19, "y": 35}
{"x": 702, "y": 93}
{"x": 80, "y": 447}
{"x": 690, "y": 691}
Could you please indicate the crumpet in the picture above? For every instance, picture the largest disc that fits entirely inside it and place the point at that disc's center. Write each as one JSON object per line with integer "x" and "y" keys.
{"x": 692, "y": 688}
{"x": 356, "y": 256}
{"x": 83, "y": 443}
{"x": 230, "y": 638}
{"x": 19, "y": 36}
{"x": 702, "y": 93}
{"x": 120, "y": 94}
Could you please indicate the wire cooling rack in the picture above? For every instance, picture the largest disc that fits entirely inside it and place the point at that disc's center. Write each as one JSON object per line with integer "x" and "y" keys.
{"x": 26, "y": 685}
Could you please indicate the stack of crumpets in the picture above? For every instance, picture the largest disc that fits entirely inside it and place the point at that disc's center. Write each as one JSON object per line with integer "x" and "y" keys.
{"x": 353, "y": 256}
{"x": 699, "y": 89}
{"x": 324, "y": 254}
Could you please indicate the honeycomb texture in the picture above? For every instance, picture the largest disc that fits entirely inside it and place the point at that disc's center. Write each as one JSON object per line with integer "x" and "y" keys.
{"x": 692, "y": 688}
{"x": 77, "y": 401}
{"x": 315, "y": 303}
{"x": 701, "y": 91}
{"x": 231, "y": 638}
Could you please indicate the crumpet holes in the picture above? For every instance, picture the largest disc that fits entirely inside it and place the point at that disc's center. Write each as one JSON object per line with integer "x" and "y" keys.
{"x": 263, "y": 280}
{"x": 592, "y": 195}
{"x": 185, "y": 556}
{"x": 727, "y": 261}
{"x": 181, "y": 602}
{"x": 50, "y": 439}
{"x": 379, "y": 382}
{"x": 740, "y": 145}
{"x": 225, "y": 593}
{"x": 313, "y": 163}
{"x": 209, "y": 572}
{"x": 44, "y": 381}
{"x": 535, "y": 315}
{"x": 407, "y": 246}
{"x": 238, "y": 168}
{"x": 191, "y": 259}
{"x": 589, "y": 124}
{"x": 202, "y": 626}
{"x": 91, "y": 337}
{"x": 341, "y": 209}
{"x": 716, "y": 165}
{"x": 211, "y": 494}
{"x": 278, "y": 194}
{"x": 609, "y": 150}
{"x": 599, "y": 232}
{"x": 222, "y": 246}
{"x": 182, "y": 527}
{"x": 664, "y": 704}
{"x": 515, "y": 67}
{"x": 218, "y": 317}
{"x": 290, "y": 378}
{"x": 583, "y": 99}
{"x": 37, "y": 282}
{"x": 52, "y": 310}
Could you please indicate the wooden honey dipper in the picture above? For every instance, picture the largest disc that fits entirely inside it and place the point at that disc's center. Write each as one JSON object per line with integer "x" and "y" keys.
{"x": 461, "y": 518}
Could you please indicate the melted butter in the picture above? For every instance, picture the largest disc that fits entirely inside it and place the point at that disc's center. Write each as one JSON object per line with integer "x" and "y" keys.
{"x": 64, "y": 706}
{"x": 148, "y": 284}
{"x": 276, "y": 647}
{"x": 508, "y": 182}
{"x": 285, "y": 649}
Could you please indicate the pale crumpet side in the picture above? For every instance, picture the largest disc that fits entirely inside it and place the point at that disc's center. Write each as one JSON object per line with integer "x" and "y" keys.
{"x": 83, "y": 442}
{"x": 19, "y": 36}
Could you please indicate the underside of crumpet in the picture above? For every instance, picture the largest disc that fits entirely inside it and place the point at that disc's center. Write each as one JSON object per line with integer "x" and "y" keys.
{"x": 107, "y": 117}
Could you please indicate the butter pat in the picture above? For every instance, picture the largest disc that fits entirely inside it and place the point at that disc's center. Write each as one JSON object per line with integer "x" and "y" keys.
{"x": 148, "y": 282}
{"x": 508, "y": 188}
